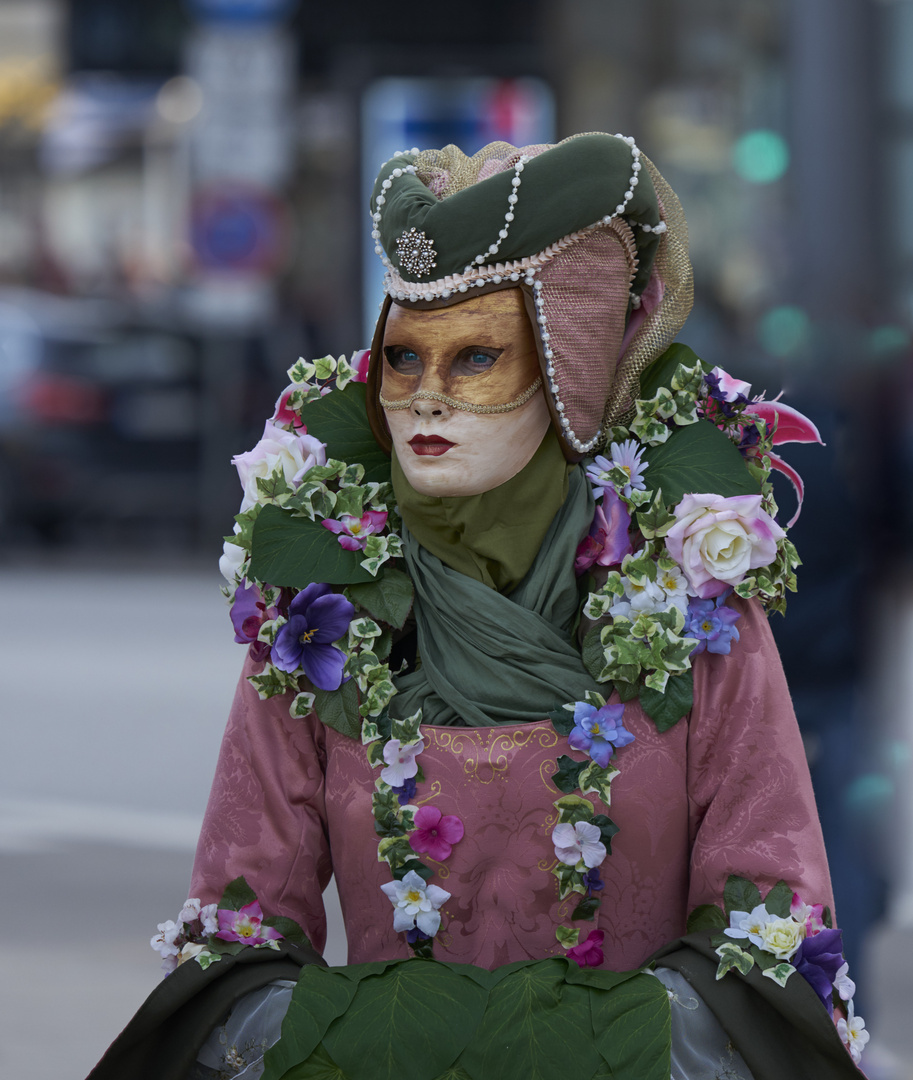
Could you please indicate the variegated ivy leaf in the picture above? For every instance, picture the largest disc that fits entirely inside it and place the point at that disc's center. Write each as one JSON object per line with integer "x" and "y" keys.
{"x": 271, "y": 488}
{"x": 567, "y": 937}
{"x": 269, "y": 629}
{"x": 377, "y": 698}
{"x": 640, "y": 568}
{"x": 302, "y": 371}
{"x": 325, "y": 367}
{"x": 407, "y": 731}
{"x": 302, "y": 705}
{"x": 345, "y": 373}
{"x": 591, "y": 697}
{"x": 780, "y": 973}
{"x": 370, "y": 732}
{"x": 570, "y": 881}
{"x": 598, "y": 780}
{"x": 573, "y": 808}
{"x": 685, "y": 411}
{"x": 375, "y": 754}
{"x": 657, "y": 680}
{"x": 690, "y": 380}
{"x": 395, "y": 851}
{"x": 731, "y": 956}
{"x": 205, "y": 958}
{"x": 363, "y": 629}
{"x": 353, "y": 476}
{"x": 350, "y": 500}
{"x": 271, "y": 681}
{"x": 650, "y": 431}
{"x": 597, "y": 606}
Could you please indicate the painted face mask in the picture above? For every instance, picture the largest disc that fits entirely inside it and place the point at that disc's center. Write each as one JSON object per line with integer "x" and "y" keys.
{"x": 461, "y": 393}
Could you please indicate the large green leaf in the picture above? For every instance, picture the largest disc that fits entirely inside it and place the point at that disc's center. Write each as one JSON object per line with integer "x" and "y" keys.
{"x": 409, "y": 1024}
{"x": 706, "y": 917}
{"x": 633, "y": 1028}
{"x": 779, "y": 900}
{"x": 340, "y": 420}
{"x": 665, "y": 710}
{"x": 296, "y": 551}
{"x": 319, "y": 1066}
{"x": 322, "y": 994}
{"x": 739, "y": 894}
{"x": 698, "y": 458}
{"x": 388, "y": 598}
{"x": 537, "y": 1027}
{"x": 660, "y": 372}
{"x": 338, "y": 709}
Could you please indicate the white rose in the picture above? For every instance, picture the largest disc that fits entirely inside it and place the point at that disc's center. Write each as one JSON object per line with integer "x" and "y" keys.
{"x": 716, "y": 540}
{"x": 782, "y": 937}
{"x": 294, "y": 453}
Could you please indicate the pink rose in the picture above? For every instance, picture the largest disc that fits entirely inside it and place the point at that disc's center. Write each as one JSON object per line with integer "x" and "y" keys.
{"x": 295, "y": 453}
{"x": 716, "y": 541}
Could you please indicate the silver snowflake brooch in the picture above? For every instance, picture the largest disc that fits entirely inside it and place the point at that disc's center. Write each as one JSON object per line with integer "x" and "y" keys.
{"x": 416, "y": 253}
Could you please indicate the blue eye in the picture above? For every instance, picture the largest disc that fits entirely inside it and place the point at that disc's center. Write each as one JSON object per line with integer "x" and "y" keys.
{"x": 405, "y": 361}
{"x": 474, "y": 361}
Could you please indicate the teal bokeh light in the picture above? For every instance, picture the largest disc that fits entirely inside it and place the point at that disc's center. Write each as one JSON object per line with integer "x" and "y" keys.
{"x": 760, "y": 156}
{"x": 784, "y": 330}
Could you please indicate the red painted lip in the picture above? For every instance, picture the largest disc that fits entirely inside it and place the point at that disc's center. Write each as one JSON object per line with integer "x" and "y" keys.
{"x": 430, "y": 445}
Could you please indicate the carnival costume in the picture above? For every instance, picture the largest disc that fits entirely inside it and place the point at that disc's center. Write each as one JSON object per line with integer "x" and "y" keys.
{"x": 538, "y": 731}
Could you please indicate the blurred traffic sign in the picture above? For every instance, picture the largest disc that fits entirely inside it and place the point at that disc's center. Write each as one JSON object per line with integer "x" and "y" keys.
{"x": 236, "y": 228}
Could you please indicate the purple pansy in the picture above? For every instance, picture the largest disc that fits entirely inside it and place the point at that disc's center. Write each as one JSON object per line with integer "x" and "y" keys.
{"x": 712, "y": 623}
{"x": 818, "y": 959}
{"x": 317, "y": 617}
{"x": 405, "y": 792}
{"x": 353, "y": 531}
{"x": 593, "y": 881}
{"x": 599, "y": 731}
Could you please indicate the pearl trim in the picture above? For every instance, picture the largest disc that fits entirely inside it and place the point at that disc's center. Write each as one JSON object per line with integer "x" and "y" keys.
{"x": 568, "y": 432}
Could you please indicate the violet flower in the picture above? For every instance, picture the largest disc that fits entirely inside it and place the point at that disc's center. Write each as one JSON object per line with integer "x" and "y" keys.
{"x": 245, "y": 925}
{"x": 712, "y": 624}
{"x": 593, "y": 881}
{"x": 608, "y": 540}
{"x": 589, "y": 952}
{"x": 249, "y": 613}
{"x": 405, "y": 792}
{"x": 435, "y": 833}
{"x": 818, "y": 959}
{"x": 353, "y": 531}
{"x": 317, "y": 617}
{"x": 599, "y": 731}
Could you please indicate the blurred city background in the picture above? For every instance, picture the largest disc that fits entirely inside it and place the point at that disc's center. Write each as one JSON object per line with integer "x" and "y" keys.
{"x": 183, "y": 212}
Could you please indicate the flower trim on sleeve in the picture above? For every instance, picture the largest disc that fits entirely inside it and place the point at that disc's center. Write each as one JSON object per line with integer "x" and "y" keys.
{"x": 783, "y": 935}
{"x": 208, "y": 932}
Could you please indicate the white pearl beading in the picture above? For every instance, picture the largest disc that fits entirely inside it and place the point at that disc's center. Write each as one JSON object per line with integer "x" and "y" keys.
{"x": 397, "y": 172}
{"x": 569, "y": 434}
{"x": 512, "y": 201}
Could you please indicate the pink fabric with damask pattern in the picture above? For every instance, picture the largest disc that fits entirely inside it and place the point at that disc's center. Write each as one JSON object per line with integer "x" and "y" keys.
{"x": 728, "y": 792}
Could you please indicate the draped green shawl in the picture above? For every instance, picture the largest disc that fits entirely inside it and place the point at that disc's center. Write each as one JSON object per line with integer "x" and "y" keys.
{"x": 488, "y": 658}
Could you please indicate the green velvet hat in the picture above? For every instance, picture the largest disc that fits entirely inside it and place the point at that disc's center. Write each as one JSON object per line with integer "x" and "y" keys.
{"x": 587, "y": 228}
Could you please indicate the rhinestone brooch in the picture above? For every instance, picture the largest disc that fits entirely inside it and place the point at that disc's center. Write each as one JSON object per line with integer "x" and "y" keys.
{"x": 416, "y": 253}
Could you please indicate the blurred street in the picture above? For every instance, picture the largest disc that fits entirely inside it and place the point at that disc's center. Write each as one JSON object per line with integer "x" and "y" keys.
{"x": 111, "y": 724}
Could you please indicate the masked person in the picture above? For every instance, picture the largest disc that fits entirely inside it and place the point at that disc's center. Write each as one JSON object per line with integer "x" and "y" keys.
{"x": 515, "y": 687}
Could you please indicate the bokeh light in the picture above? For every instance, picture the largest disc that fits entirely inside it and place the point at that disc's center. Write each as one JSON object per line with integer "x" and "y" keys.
{"x": 760, "y": 156}
{"x": 784, "y": 330}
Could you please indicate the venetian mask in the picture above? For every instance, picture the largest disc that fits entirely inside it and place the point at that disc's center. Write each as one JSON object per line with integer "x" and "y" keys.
{"x": 462, "y": 393}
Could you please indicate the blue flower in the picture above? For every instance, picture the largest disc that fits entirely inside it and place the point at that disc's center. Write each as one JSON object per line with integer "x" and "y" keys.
{"x": 712, "y": 624}
{"x": 405, "y": 792}
{"x": 599, "y": 731}
{"x": 316, "y": 617}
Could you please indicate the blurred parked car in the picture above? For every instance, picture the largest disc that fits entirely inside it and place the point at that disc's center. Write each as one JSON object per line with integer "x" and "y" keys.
{"x": 100, "y": 418}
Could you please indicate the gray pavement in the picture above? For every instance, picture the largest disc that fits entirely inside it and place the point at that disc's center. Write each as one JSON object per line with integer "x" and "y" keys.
{"x": 114, "y": 689}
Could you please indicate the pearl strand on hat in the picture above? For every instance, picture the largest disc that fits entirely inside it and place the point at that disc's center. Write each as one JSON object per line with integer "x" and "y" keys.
{"x": 512, "y": 201}
{"x": 382, "y": 198}
{"x": 569, "y": 434}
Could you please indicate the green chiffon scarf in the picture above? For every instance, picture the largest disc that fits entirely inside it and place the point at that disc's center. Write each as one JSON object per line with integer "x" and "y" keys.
{"x": 490, "y": 658}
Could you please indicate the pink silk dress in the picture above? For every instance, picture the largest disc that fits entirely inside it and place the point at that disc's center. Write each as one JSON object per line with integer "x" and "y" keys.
{"x": 726, "y": 791}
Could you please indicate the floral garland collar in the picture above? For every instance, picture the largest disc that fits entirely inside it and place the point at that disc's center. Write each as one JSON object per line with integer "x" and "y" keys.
{"x": 685, "y": 515}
